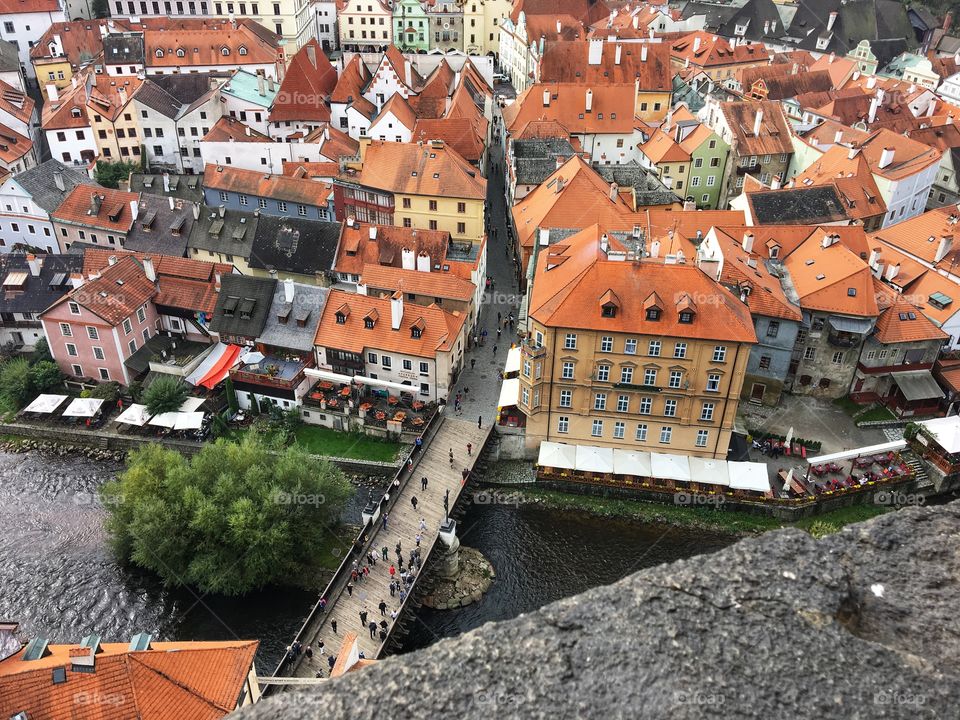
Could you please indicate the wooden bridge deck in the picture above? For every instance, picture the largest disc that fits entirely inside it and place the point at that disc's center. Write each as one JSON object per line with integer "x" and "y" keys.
{"x": 403, "y": 524}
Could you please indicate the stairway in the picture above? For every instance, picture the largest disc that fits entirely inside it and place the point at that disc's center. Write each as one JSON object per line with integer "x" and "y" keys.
{"x": 923, "y": 480}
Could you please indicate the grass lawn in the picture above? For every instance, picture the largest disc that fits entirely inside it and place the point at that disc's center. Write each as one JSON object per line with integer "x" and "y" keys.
{"x": 877, "y": 412}
{"x": 324, "y": 441}
{"x": 848, "y": 405}
{"x": 702, "y": 517}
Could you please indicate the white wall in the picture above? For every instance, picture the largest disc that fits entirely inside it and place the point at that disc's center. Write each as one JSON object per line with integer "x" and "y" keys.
{"x": 71, "y": 144}
{"x": 261, "y": 156}
{"x": 388, "y": 127}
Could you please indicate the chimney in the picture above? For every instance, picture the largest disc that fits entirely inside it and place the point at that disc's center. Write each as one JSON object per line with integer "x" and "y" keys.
{"x": 95, "y": 201}
{"x": 34, "y": 265}
{"x": 407, "y": 259}
{"x": 614, "y": 191}
{"x": 837, "y": 137}
{"x": 595, "y": 52}
{"x": 775, "y": 183}
{"x": 616, "y": 55}
{"x": 149, "y": 270}
{"x": 270, "y": 85}
{"x": 856, "y": 75}
{"x": 871, "y": 82}
{"x": 261, "y": 90}
{"x": 58, "y": 180}
{"x": 196, "y": 211}
{"x": 546, "y": 98}
{"x": 643, "y": 52}
{"x": 757, "y": 122}
{"x": 946, "y": 243}
{"x": 135, "y": 209}
{"x": 949, "y": 120}
{"x": 696, "y": 45}
{"x": 893, "y": 271}
{"x": 312, "y": 54}
{"x": 423, "y": 262}
{"x": 76, "y": 280}
{"x": 874, "y": 257}
{"x": 831, "y": 19}
{"x": 636, "y": 23}
{"x": 689, "y": 205}
{"x": 948, "y": 20}
{"x": 112, "y": 260}
{"x": 216, "y": 281}
{"x": 559, "y": 27}
{"x": 588, "y": 105}
{"x": 886, "y": 157}
{"x": 604, "y": 243}
{"x": 52, "y": 94}
{"x": 747, "y": 242}
{"x": 874, "y": 106}
{"x": 222, "y": 210}
{"x": 852, "y": 153}
{"x": 407, "y": 73}
{"x": 171, "y": 201}
{"x": 396, "y": 310}
{"x": 560, "y": 161}
{"x": 122, "y": 92}
{"x": 246, "y": 129}
{"x": 288, "y": 290}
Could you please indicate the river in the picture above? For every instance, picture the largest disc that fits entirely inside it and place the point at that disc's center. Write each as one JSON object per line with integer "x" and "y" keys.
{"x": 59, "y": 579}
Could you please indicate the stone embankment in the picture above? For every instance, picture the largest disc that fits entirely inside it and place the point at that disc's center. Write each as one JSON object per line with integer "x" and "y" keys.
{"x": 474, "y": 576}
{"x": 47, "y": 447}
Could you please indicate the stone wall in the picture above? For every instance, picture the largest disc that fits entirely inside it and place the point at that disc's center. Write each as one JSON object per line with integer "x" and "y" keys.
{"x": 861, "y": 624}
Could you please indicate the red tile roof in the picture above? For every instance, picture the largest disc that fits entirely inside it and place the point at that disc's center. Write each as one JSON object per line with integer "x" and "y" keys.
{"x": 459, "y": 133}
{"x": 257, "y": 184}
{"x": 612, "y": 107}
{"x": 11, "y": 7}
{"x": 900, "y": 321}
{"x": 430, "y": 284}
{"x": 16, "y": 103}
{"x": 228, "y": 129}
{"x": 171, "y": 681}
{"x": 831, "y": 279}
{"x": 357, "y": 250}
{"x": 109, "y": 94}
{"x": 116, "y": 294}
{"x": 309, "y": 80}
{"x": 713, "y": 50}
{"x": 774, "y": 136}
{"x": 205, "y": 45}
{"x": 112, "y": 208}
{"x": 432, "y": 169}
{"x": 351, "y": 82}
{"x": 567, "y": 62}
{"x": 440, "y": 329}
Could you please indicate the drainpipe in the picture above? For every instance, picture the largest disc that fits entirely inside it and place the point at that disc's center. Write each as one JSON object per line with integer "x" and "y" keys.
{"x": 726, "y": 401}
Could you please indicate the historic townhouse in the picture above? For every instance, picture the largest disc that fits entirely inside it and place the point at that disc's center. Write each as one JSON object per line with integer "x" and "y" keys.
{"x": 631, "y": 353}
{"x": 23, "y": 24}
{"x": 95, "y": 215}
{"x": 365, "y": 25}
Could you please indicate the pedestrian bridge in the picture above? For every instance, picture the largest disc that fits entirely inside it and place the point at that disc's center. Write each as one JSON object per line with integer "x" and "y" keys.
{"x": 403, "y": 524}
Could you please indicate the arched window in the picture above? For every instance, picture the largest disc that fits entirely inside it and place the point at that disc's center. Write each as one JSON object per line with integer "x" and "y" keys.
{"x": 180, "y": 52}
{"x": 224, "y": 51}
{"x": 159, "y": 53}
{"x": 242, "y": 50}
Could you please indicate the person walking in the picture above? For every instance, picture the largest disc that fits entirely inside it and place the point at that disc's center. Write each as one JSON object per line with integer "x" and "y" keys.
{"x": 373, "y": 630}
{"x": 423, "y": 525}
{"x": 393, "y": 615}
{"x": 495, "y": 347}
{"x": 451, "y": 457}
{"x": 469, "y": 448}
{"x": 393, "y": 589}
{"x": 333, "y": 626}
{"x": 499, "y": 330}
{"x": 499, "y": 316}
{"x": 331, "y": 661}
{"x": 350, "y": 588}
{"x": 320, "y": 648}
{"x": 479, "y": 426}
{"x": 473, "y": 363}
{"x": 384, "y": 552}
{"x": 308, "y": 652}
{"x": 363, "y": 618}
{"x": 423, "y": 483}
{"x": 403, "y": 596}
{"x": 385, "y": 515}
{"x": 393, "y": 571}
{"x": 383, "y": 608}
{"x": 418, "y": 540}
{"x": 413, "y": 501}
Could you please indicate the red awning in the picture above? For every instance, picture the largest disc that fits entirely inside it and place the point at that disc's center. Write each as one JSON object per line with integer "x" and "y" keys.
{"x": 221, "y": 367}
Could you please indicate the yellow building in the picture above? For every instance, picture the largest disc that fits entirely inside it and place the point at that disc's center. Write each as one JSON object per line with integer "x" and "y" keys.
{"x": 64, "y": 48}
{"x": 622, "y": 353}
{"x": 113, "y": 117}
{"x": 669, "y": 159}
{"x": 481, "y": 25}
{"x": 425, "y": 185}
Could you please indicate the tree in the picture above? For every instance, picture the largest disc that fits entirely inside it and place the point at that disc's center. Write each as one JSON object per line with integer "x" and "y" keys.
{"x": 110, "y": 174}
{"x": 45, "y": 375}
{"x": 100, "y": 8}
{"x": 165, "y": 394}
{"x": 41, "y": 350}
{"x": 232, "y": 401}
{"x": 232, "y": 518}
{"x": 15, "y": 383}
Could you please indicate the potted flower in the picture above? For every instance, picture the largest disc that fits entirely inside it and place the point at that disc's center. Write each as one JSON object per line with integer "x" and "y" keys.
{"x": 345, "y": 392}
{"x": 380, "y": 415}
{"x": 366, "y": 406}
{"x": 333, "y": 402}
{"x": 418, "y": 404}
{"x": 326, "y": 385}
{"x": 418, "y": 421}
{"x": 393, "y": 400}
{"x": 400, "y": 416}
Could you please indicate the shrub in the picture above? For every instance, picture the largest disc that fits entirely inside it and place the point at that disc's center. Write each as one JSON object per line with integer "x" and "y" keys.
{"x": 165, "y": 394}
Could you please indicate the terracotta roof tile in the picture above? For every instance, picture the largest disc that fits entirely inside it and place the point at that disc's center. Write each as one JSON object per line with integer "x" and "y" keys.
{"x": 257, "y": 184}
{"x": 357, "y": 249}
{"x": 228, "y": 129}
{"x": 432, "y": 169}
{"x": 713, "y": 50}
{"x": 204, "y": 45}
{"x": 831, "y": 279}
{"x": 661, "y": 148}
{"x": 308, "y": 82}
{"x": 921, "y": 236}
{"x": 351, "y": 82}
{"x": 900, "y": 321}
{"x": 774, "y": 136}
{"x": 112, "y": 208}
{"x": 459, "y": 133}
{"x": 430, "y": 284}
{"x": 612, "y": 107}
{"x": 566, "y": 62}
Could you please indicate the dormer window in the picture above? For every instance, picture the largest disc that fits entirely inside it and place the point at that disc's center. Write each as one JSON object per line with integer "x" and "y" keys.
{"x": 368, "y": 323}
{"x": 159, "y": 53}
{"x": 180, "y": 52}
{"x": 609, "y": 310}
{"x": 75, "y": 112}
{"x": 242, "y": 50}
{"x": 652, "y": 307}
{"x": 609, "y": 304}
{"x": 341, "y": 318}
{"x": 370, "y": 320}
{"x": 653, "y": 313}
{"x": 415, "y": 333}
{"x": 686, "y": 317}
{"x": 775, "y": 252}
{"x": 225, "y": 51}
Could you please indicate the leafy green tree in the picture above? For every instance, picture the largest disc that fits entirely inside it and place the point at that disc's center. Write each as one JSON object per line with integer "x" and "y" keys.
{"x": 165, "y": 394}
{"x": 106, "y": 391}
{"x": 233, "y": 518}
{"x": 45, "y": 375}
{"x": 41, "y": 350}
{"x": 15, "y": 383}
{"x": 111, "y": 174}
{"x": 232, "y": 401}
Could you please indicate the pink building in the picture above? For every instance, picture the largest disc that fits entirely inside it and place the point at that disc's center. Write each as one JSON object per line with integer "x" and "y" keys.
{"x": 95, "y": 327}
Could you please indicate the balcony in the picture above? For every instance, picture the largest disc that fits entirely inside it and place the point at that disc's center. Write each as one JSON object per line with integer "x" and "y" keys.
{"x": 273, "y": 372}
{"x": 844, "y": 339}
{"x": 532, "y": 351}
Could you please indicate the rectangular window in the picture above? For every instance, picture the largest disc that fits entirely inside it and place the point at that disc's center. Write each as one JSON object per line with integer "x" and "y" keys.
{"x": 66, "y": 330}
{"x": 570, "y": 341}
{"x": 626, "y": 375}
{"x": 74, "y": 308}
{"x": 618, "y": 430}
{"x": 650, "y": 376}
{"x": 720, "y": 353}
{"x": 142, "y": 314}
{"x": 646, "y": 405}
{"x": 706, "y": 411}
{"x": 630, "y": 346}
{"x": 666, "y": 433}
{"x": 566, "y": 398}
{"x": 702, "y": 436}
{"x": 525, "y": 396}
{"x": 838, "y": 358}
{"x": 281, "y": 206}
{"x": 597, "y": 429}
{"x": 670, "y": 408}
{"x": 603, "y": 373}
{"x": 132, "y": 345}
{"x": 407, "y": 364}
{"x": 623, "y": 403}
{"x": 680, "y": 350}
{"x": 606, "y": 344}
{"x": 563, "y": 424}
{"x": 713, "y": 383}
{"x": 654, "y": 349}
{"x": 372, "y": 358}
{"x": 675, "y": 378}
{"x": 566, "y": 373}
{"x": 104, "y": 374}
{"x": 71, "y": 350}
{"x": 127, "y": 327}
{"x": 424, "y": 368}
{"x": 600, "y": 401}
{"x": 77, "y": 371}
{"x": 773, "y": 329}
{"x": 809, "y": 353}
{"x": 526, "y": 368}
{"x": 386, "y": 361}
{"x": 641, "y": 435}
{"x": 92, "y": 333}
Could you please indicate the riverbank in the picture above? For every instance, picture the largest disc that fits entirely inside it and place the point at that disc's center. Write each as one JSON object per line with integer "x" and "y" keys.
{"x": 731, "y": 522}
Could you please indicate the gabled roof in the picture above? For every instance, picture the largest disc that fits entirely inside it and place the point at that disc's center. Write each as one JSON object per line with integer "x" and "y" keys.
{"x": 567, "y": 61}
{"x": 571, "y": 277}
{"x": 16, "y": 103}
{"x": 419, "y": 169}
{"x": 900, "y": 321}
{"x": 852, "y": 179}
{"x": 69, "y": 111}
{"x": 400, "y": 109}
{"x": 921, "y": 236}
{"x": 713, "y": 50}
{"x": 459, "y": 133}
{"x": 662, "y": 148}
{"x": 774, "y": 135}
{"x": 819, "y": 204}
{"x": 358, "y": 250}
{"x": 175, "y": 95}
{"x": 302, "y": 317}
{"x": 109, "y": 95}
{"x": 36, "y": 293}
{"x": 197, "y": 680}
{"x": 439, "y": 329}
{"x": 910, "y": 157}
{"x": 257, "y": 184}
{"x": 439, "y": 84}
{"x": 351, "y": 82}
{"x": 394, "y": 59}
{"x": 294, "y": 245}
{"x": 243, "y": 304}
{"x": 244, "y": 42}
{"x": 97, "y": 207}
{"x": 160, "y": 228}
{"x": 117, "y": 293}
{"x": 308, "y": 82}
{"x": 831, "y": 279}
{"x": 612, "y": 107}
{"x": 40, "y": 183}
{"x": 447, "y": 286}
{"x": 228, "y": 129}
